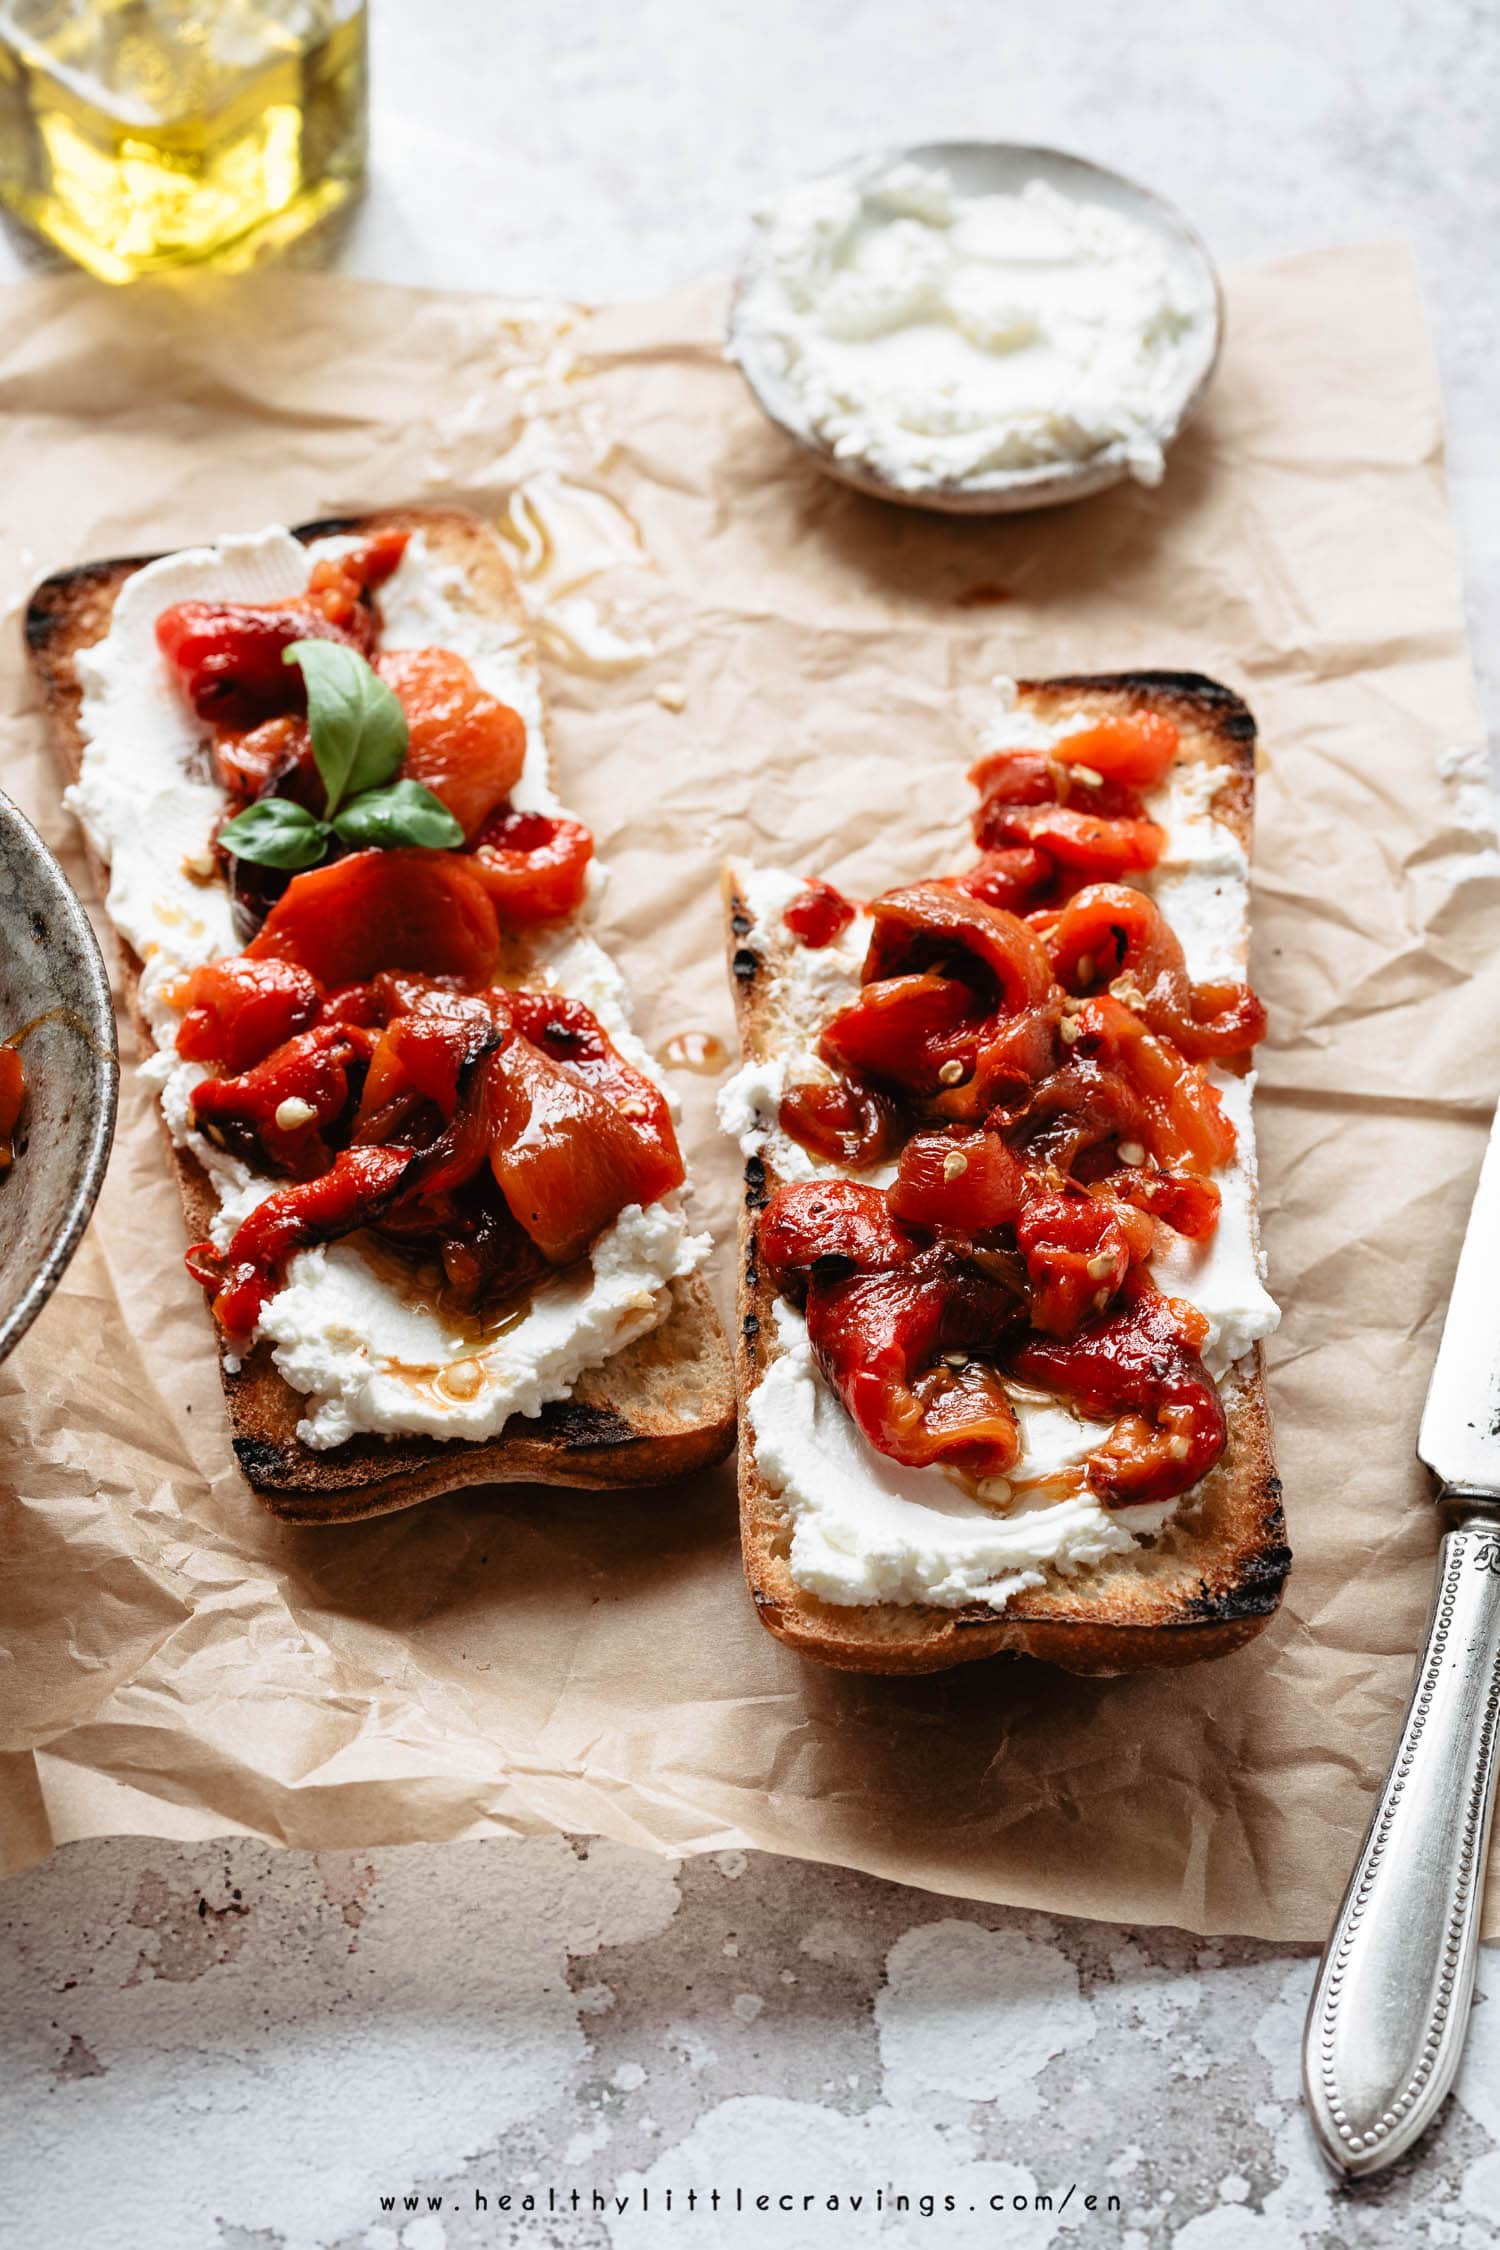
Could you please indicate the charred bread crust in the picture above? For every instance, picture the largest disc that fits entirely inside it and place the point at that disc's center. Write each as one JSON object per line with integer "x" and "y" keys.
{"x": 660, "y": 1408}
{"x": 1215, "y": 1575}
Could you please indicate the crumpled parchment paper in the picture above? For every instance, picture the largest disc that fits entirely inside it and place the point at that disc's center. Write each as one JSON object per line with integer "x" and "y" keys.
{"x": 175, "y": 1662}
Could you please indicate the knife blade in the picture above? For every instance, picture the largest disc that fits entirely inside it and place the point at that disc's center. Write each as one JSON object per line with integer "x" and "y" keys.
{"x": 1459, "y": 1440}
{"x": 1390, "y": 2006}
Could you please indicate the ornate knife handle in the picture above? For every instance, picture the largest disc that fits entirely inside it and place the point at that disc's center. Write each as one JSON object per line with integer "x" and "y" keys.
{"x": 1391, "y": 2004}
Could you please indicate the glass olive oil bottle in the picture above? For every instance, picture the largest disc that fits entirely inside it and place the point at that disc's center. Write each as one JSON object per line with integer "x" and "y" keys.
{"x": 139, "y": 135}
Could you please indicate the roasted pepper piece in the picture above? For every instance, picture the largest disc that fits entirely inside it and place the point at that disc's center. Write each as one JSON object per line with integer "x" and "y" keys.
{"x": 248, "y": 1274}
{"x": 378, "y": 910}
{"x": 534, "y": 865}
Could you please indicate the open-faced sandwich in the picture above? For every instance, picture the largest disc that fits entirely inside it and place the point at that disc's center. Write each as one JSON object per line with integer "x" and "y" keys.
{"x": 1001, "y": 1287}
{"x": 432, "y": 1177}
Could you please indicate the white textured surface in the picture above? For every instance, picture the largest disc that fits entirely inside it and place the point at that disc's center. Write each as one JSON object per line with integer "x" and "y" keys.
{"x": 223, "y": 2049}
{"x": 226, "y": 2048}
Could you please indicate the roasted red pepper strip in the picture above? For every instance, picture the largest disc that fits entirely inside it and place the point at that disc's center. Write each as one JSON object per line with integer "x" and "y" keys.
{"x": 927, "y": 926}
{"x": 12, "y": 1094}
{"x": 903, "y": 1030}
{"x": 1012, "y": 777}
{"x": 1077, "y": 836}
{"x": 428, "y": 1052}
{"x": 1014, "y": 1054}
{"x": 964, "y": 1183}
{"x": 881, "y": 1313}
{"x": 388, "y": 994}
{"x": 1082, "y": 1106}
{"x": 1014, "y": 877}
{"x": 841, "y": 1121}
{"x": 956, "y": 1013}
{"x": 818, "y": 914}
{"x": 340, "y": 585}
{"x": 1080, "y": 818}
{"x": 385, "y": 910}
{"x": 239, "y": 1009}
{"x": 282, "y": 1108}
{"x": 880, "y": 1339}
{"x": 844, "y": 1220}
{"x": 947, "y": 981}
{"x": 1189, "y": 1206}
{"x": 1184, "y": 1126}
{"x": 460, "y": 1152}
{"x": 467, "y": 747}
{"x": 534, "y": 865}
{"x": 1135, "y": 748}
{"x": 1078, "y": 1250}
{"x": 229, "y": 657}
{"x": 275, "y": 756}
{"x": 1108, "y": 932}
{"x": 1135, "y": 1365}
{"x": 363, "y": 1004}
{"x": 570, "y": 1035}
{"x": 566, "y": 1154}
{"x": 252, "y": 1269}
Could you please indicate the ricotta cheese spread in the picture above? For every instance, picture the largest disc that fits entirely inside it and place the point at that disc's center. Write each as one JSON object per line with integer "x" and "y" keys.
{"x": 941, "y": 338}
{"x": 366, "y": 1349}
{"x": 864, "y": 1528}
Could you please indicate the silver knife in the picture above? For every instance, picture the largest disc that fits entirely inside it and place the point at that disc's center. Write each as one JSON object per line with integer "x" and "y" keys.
{"x": 1391, "y": 2004}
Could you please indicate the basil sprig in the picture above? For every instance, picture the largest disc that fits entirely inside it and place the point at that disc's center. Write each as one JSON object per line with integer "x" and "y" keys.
{"x": 358, "y": 731}
{"x": 276, "y": 833}
{"x": 406, "y": 813}
{"x": 358, "y": 727}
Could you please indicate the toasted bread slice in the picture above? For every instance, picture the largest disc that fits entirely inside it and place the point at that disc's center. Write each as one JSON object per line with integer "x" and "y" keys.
{"x": 660, "y": 1407}
{"x": 1211, "y": 1579}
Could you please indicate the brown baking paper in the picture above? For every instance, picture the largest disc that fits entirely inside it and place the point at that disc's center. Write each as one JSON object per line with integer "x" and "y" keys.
{"x": 178, "y": 1663}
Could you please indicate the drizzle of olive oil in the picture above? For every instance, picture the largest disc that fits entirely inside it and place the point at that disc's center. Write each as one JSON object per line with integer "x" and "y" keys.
{"x": 566, "y": 535}
{"x": 420, "y": 1280}
{"x": 701, "y": 1051}
{"x": 461, "y": 1377}
{"x": 141, "y": 135}
{"x": 70, "y": 1019}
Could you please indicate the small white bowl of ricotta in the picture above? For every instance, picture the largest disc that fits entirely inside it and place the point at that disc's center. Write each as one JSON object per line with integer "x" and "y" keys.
{"x": 977, "y": 326}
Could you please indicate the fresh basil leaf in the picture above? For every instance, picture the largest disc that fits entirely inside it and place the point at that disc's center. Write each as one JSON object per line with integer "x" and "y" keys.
{"x": 358, "y": 728}
{"x": 406, "y": 814}
{"x": 276, "y": 833}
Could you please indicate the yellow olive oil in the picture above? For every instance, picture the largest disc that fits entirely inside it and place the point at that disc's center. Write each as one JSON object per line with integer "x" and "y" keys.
{"x": 140, "y": 135}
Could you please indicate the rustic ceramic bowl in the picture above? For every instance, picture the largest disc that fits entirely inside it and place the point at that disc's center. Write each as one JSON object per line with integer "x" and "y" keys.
{"x": 996, "y": 168}
{"x": 52, "y": 979}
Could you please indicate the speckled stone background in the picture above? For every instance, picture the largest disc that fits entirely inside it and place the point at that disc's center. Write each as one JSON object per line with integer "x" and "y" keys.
{"x": 224, "y": 2048}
